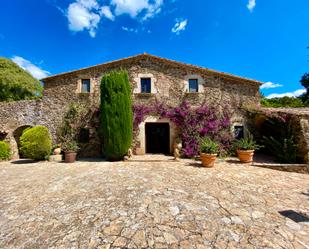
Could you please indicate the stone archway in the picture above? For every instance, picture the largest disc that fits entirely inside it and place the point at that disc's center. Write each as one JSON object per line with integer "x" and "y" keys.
{"x": 17, "y": 134}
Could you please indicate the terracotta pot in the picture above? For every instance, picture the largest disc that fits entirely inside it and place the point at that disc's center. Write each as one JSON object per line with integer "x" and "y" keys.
{"x": 70, "y": 156}
{"x": 208, "y": 160}
{"x": 57, "y": 151}
{"x": 245, "y": 156}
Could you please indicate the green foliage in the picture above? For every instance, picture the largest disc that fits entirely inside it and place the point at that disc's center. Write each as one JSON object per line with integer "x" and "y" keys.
{"x": 208, "y": 146}
{"x": 282, "y": 102}
{"x": 70, "y": 127}
{"x": 35, "y": 143}
{"x": 16, "y": 83}
{"x": 285, "y": 149}
{"x": 71, "y": 146}
{"x": 305, "y": 81}
{"x": 278, "y": 139}
{"x": 116, "y": 114}
{"x": 247, "y": 143}
{"x": 5, "y": 152}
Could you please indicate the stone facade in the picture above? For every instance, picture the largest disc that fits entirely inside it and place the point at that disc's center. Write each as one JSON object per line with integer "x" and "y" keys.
{"x": 169, "y": 81}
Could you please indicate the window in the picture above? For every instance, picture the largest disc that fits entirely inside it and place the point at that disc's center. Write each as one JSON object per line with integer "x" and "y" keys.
{"x": 193, "y": 85}
{"x": 146, "y": 85}
{"x": 239, "y": 132}
{"x": 2, "y": 135}
{"x": 85, "y": 86}
{"x": 84, "y": 135}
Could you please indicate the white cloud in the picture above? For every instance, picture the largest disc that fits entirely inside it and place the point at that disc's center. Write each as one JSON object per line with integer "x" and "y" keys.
{"x": 83, "y": 14}
{"x": 269, "y": 85}
{"x": 296, "y": 93}
{"x": 135, "y": 7}
{"x": 153, "y": 9}
{"x": 179, "y": 26}
{"x": 129, "y": 29}
{"x": 34, "y": 70}
{"x": 106, "y": 11}
{"x": 251, "y": 5}
{"x": 86, "y": 14}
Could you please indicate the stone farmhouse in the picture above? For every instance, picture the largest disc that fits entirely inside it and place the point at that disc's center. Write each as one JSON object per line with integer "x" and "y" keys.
{"x": 152, "y": 78}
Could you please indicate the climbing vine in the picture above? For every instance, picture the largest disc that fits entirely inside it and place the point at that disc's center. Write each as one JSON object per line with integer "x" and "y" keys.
{"x": 193, "y": 123}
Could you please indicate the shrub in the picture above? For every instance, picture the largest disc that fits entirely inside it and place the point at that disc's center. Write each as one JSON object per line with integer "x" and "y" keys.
{"x": 35, "y": 143}
{"x": 284, "y": 149}
{"x": 5, "y": 152}
{"x": 208, "y": 146}
{"x": 246, "y": 144}
{"x": 116, "y": 114}
{"x": 70, "y": 146}
{"x": 74, "y": 119}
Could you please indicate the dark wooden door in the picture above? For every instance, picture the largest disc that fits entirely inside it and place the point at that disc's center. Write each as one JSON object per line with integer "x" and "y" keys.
{"x": 157, "y": 138}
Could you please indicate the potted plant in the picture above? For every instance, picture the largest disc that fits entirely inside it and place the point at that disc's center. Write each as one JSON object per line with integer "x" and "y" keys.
{"x": 245, "y": 148}
{"x": 208, "y": 152}
{"x": 70, "y": 149}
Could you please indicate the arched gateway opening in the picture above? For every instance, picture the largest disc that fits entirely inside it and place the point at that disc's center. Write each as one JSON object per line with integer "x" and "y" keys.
{"x": 17, "y": 134}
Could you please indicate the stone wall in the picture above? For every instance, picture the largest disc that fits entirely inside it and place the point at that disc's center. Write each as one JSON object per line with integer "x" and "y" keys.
{"x": 169, "y": 87}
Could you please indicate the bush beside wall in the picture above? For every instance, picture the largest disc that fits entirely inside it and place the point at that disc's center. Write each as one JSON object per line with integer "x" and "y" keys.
{"x": 5, "y": 152}
{"x": 36, "y": 143}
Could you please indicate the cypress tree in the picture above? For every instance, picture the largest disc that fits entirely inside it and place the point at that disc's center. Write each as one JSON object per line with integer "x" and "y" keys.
{"x": 116, "y": 114}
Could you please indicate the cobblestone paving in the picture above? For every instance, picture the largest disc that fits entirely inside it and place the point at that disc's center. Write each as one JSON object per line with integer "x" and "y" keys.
{"x": 158, "y": 204}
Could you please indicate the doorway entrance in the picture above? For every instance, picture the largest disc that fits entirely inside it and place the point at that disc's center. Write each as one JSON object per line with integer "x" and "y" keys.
{"x": 157, "y": 138}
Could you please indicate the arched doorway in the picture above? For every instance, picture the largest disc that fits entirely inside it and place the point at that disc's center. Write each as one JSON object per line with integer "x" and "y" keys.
{"x": 17, "y": 134}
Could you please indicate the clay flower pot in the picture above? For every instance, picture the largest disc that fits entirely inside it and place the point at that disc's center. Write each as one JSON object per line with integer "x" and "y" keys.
{"x": 70, "y": 156}
{"x": 245, "y": 156}
{"x": 208, "y": 160}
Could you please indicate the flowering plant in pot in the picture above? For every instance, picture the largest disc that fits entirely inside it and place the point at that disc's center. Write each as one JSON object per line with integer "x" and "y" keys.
{"x": 208, "y": 152}
{"x": 245, "y": 148}
{"x": 70, "y": 149}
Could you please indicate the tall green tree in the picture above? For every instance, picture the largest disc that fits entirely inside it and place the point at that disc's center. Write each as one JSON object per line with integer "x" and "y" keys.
{"x": 305, "y": 83}
{"x": 16, "y": 83}
{"x": 116, "y": 114}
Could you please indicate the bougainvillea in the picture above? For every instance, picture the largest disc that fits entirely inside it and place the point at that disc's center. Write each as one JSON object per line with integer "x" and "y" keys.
{"x": 192, "y": 123}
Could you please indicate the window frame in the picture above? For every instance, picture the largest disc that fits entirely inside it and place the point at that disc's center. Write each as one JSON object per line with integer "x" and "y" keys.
{"x": 147, "y": 86}
{"x": 82, "y": 85}
{"x": 197, "y": 85}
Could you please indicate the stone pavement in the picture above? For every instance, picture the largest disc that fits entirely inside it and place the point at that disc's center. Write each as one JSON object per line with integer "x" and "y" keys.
{"x": 151, "y": 204}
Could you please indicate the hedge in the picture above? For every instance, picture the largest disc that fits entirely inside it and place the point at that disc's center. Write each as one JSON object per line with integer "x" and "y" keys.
{"x": 116, "y": 114}
{"x": 35, "y": 143}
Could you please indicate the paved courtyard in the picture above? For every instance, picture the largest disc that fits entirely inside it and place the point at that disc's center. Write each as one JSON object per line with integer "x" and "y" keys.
{"x": 157, "y": 204}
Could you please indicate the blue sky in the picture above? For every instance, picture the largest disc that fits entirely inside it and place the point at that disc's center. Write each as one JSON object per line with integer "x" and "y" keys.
{"x": 259, "y": 39}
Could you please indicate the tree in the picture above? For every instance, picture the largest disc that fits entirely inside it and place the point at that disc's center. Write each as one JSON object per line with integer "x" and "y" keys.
{"x": 116, "y": 114}
{"x": 16, "y": 83}
{"x": 305, "y": 83}
{"x": 282, "y": 102}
